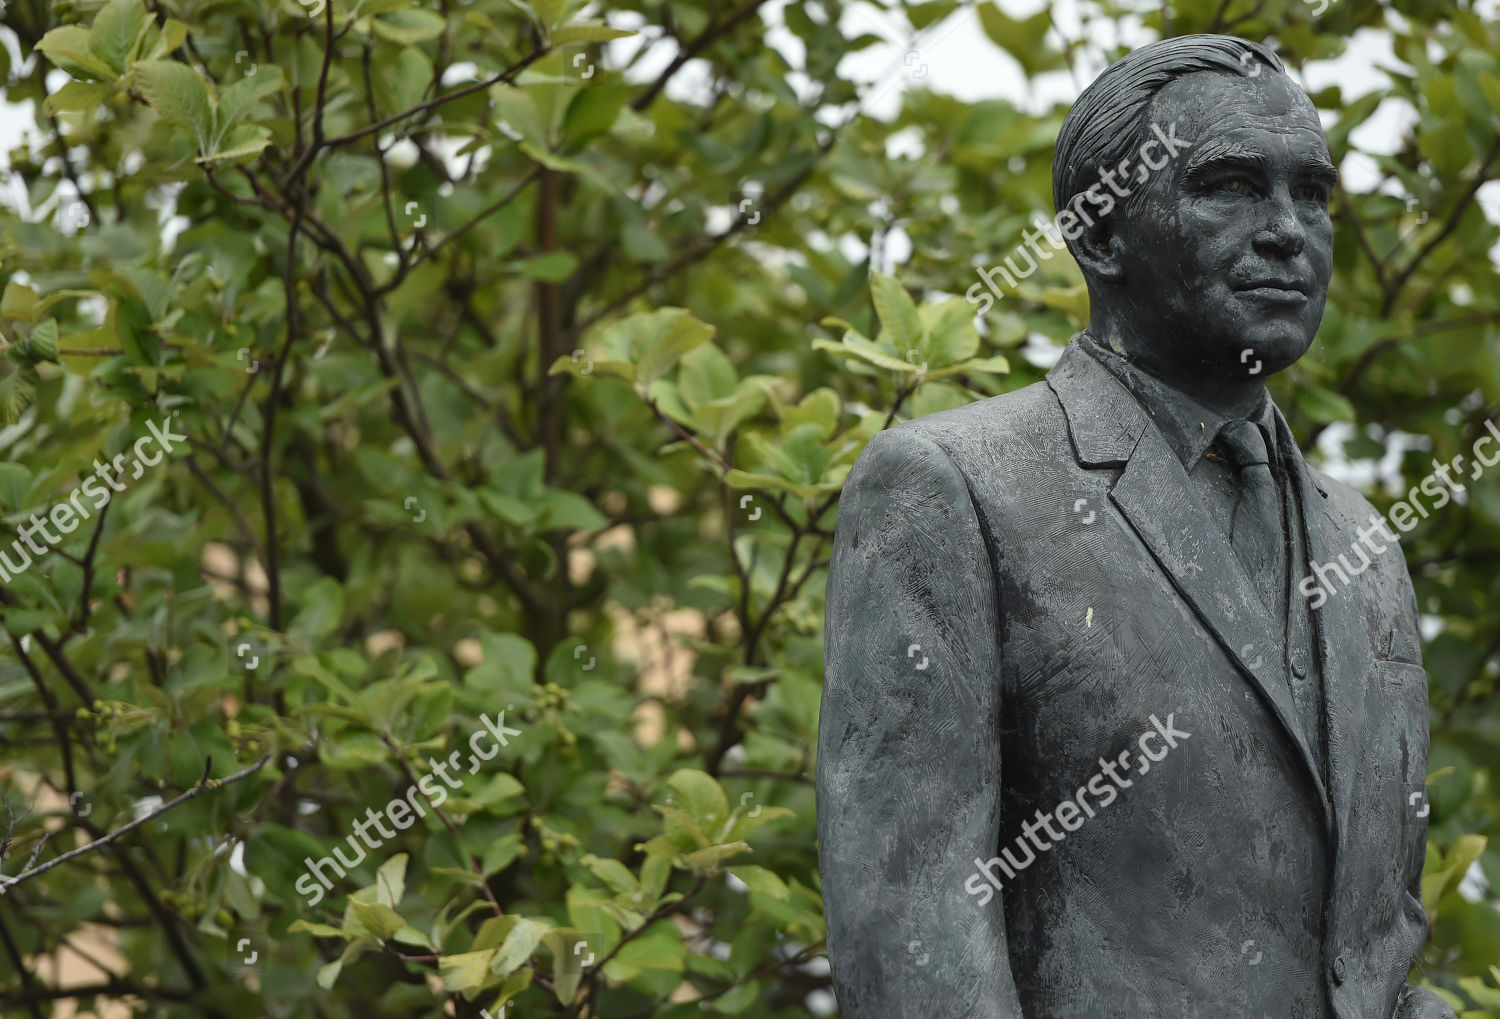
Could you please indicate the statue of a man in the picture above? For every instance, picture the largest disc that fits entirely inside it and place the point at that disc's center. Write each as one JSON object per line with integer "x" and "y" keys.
{"x": 1103, "y": 733}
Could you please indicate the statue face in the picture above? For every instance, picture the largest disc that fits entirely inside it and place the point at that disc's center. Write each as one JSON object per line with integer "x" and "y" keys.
{"x": 1231, "y": 247}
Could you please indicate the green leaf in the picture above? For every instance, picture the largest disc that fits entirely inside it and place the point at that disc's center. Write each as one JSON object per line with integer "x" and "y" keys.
{"x": 924, "y": 15}
{"x": 375, "y": 918}
{"x": 550, "y": 11}
{"x": 21, "y": 622}
{"x": 659, "y": 951}
{"x": 17, "y": 301}
{"x": 654, "y": 341}
{"x": 15, "y": 485}
{"x": 321, "y": 930}
{"x": 562, "y": 510}
{"x": 552, "y": 267}
{"x": 802, "y": 456}
{"x": 746, "y": 479}
{"x": 580, "y": 365}
{"x": 821, "y": 407}
{"x": 508, "y": 508}
{"x": 323, "y": 608}
{"x": 359, "y": 946}
{"x": 950, "y": 333}
{"x": 407, "y": 81}
{"x": 613, "y": 873}
{"x": 390, "y": 881}
{"x": 997, "y": 365}
{"x": 666, "y": 398}
{"x": 516, "y": 107}
{"x": 587, "y": 31}
{"x": 178, "y": 95}
{"x": 705, "y": 375}
{"x": 1324, "y": 405}
{"x": 501, "y": 853}
{"x": 409, "y": 935}
{"x": 409, "y": 26}
{"x": 761, "y": 881}
{"x": 701, "y": 797}
{"x": 748, "y": 821}
{"x": 721, "y": 417}
{"x": 654, "y": 874}
{"x": 16, "y": 394}
{"x": 241, "y": 142}
{"x": 500, "y": 787}
{"x": 1489, "y": 84}
{"x": 154, "y": 289}
{"x": 859, "y": 348}
{"x": 41, "y": 342}
{"x": 513, "y": 985}
{"x": 572, "y": 954}
{"x": 465, "y": 972}
{"x": 592, "y": 112}
{"x": 116, "y": 31}
{"x": 898, "y": 314}
{"x": 173, "y": 35}
{"x": 77, "y": 97}
{"x": 1460, "y": 856}
{"x": 1025, "y": 40}
{"x": 237, "y": 100}
{"x": 522, "y": 937}
{"x": 562, "y": 164}
{"x": 741, "y": 996}
{"x": 69, "y": 48}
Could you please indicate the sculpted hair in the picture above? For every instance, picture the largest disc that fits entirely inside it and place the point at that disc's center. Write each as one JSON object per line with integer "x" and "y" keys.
{"x": 1108, "y": 122}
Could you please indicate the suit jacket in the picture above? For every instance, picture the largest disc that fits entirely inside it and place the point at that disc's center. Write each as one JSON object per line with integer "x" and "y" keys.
{"x": 1019, "y": 590}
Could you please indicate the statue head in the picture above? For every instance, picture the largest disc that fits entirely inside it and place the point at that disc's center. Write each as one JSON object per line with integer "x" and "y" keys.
{"x": 1198, "y": 180}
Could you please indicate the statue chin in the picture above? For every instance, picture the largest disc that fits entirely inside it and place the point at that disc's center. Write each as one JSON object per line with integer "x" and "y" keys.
{"x": 1276, "y": 349}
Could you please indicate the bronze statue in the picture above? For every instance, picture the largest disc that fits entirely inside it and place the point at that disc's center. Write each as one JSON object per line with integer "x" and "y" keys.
{"x": 1088, "y": 747}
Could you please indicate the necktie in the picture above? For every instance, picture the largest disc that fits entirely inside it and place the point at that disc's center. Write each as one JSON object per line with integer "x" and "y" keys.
{"x": 1256, "y": 532}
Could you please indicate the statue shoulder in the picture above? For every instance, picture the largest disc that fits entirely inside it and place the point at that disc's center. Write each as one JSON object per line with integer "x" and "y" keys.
{"x": 1019, "y": 422}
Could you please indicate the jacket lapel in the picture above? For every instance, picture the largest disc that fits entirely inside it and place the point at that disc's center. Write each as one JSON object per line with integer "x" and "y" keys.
{"x": 1154, "y": 494}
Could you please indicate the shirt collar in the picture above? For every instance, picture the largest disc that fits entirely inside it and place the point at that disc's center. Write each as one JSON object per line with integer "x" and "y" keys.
{"x": 1188, "y": 426}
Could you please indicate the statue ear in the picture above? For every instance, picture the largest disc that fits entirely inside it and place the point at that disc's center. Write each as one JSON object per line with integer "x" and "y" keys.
{"x": 1099, "y": 250}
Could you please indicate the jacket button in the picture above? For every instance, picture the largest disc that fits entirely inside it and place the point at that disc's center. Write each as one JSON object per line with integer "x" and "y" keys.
{"x": 1299, "y": 665}
{"x": 1340, "y": 969}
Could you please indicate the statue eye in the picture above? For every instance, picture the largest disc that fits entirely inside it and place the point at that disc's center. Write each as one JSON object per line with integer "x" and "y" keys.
{"x": 1235, "y": 186}
{"x": 1315, "y": 193}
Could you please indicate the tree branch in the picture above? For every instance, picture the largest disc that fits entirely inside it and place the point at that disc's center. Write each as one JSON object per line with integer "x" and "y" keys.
{"x": 203, "y": 784}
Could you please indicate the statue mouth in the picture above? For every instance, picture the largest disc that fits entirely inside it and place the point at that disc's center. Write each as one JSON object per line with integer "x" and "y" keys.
{"x": 1276, "y": 291}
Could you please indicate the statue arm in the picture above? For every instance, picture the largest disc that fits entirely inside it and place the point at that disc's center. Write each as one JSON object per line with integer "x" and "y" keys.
{"x": 908, "y": 773}
{"x": 1416, "y": 1002}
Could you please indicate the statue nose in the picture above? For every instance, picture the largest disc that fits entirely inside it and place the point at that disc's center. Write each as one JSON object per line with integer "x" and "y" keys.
{"x": 1283, "y": 233}
{"x": 1287, "y": 242}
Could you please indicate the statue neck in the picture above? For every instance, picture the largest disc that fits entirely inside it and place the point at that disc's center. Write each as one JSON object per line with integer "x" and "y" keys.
{"x": 1231, "y": 398}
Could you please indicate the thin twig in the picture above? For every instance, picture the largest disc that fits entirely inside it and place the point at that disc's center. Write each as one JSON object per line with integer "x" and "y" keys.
{"x": 203, "y": 784}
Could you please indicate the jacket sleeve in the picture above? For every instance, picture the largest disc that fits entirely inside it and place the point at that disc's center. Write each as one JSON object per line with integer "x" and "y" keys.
{"x": 1416, "y": 1002}
{"x": 908, "y": 771}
